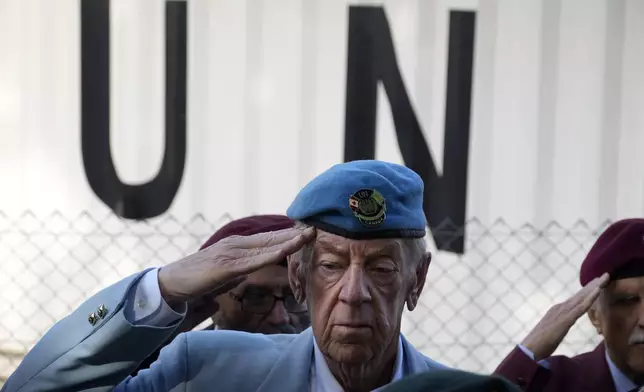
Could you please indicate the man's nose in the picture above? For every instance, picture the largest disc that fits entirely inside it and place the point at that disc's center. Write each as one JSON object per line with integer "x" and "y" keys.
{"x": 354, "y": 290}
{"x": 278, "y": 315}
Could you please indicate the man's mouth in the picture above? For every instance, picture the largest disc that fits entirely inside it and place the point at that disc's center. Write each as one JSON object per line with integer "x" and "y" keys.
{"x": 353, "y": 332}
{"x": 354, "y": 325}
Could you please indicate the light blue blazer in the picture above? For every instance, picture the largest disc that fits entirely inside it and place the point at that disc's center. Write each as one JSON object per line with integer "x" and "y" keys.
{"x": 77, "y": 355}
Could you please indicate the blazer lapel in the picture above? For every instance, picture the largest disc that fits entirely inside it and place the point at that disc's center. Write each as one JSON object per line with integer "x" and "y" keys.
{"x": 597, "y": 371}
{"x": 292, "y": 369}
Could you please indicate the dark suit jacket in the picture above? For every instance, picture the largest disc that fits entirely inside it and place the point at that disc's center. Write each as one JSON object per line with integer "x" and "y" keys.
{"x": 451, "y": 381}
{"x": 584, "y": 373}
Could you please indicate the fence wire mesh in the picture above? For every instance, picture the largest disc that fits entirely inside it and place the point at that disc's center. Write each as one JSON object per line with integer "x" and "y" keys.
{"x": 475, "y": 307}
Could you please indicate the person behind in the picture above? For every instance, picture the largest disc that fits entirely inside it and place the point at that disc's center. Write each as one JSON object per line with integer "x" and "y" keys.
{"x": 356, "y": 257}
{"x": 451, "y": 381}
{"x": 612, "y": 276}
{"x": 263, "y": 302}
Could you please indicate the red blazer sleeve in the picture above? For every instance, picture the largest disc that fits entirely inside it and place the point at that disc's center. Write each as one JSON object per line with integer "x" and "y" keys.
{"x": 523, "y": 371}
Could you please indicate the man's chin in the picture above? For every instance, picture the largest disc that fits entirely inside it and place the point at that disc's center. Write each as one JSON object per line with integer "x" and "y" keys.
{"x": 352, "y": 353}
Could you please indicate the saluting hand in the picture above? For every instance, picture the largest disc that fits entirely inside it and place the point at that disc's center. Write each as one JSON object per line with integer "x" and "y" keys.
{"x": 546, "y": 336}
{"x": 227, "y": 262}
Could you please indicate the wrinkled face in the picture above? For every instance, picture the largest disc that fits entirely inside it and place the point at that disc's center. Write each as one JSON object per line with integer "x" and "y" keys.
{"x": 356, "y": 291}
{"x": 619, "y": 317}
{"x": 251, "y": 306}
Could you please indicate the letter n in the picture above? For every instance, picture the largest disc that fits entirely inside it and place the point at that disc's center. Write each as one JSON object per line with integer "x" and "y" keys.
{"x": 372, "y": 60}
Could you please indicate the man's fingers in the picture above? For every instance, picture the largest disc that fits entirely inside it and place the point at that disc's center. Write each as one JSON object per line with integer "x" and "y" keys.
{"x": 291, "y": 246}
{"x": 594, "y": 287}
{"x": 590, "y": 300}
{"x": 577, "y": 305}
{"x": 604, "y": 280}
{"x": 251, "y": 264}
{"x": 551, "y": 330}
{"x": 278, "y": 254}
{"x": 302, "y": 238}
{"x": 266, "y": 240}
{"x": 598, "y": 284}
{"x": 585, "y": 298}
{"x": 600, "y": 281}
{"x": 260, "y": 240}
{"x": 589, "y": 290}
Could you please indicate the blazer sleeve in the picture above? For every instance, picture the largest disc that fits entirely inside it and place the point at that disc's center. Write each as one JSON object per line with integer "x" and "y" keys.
{"x": 521, "y": 370}
{"x": 78, "y": 355}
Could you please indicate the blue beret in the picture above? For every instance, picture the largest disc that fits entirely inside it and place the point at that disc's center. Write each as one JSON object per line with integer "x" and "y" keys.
{"x": 363, "y": 200}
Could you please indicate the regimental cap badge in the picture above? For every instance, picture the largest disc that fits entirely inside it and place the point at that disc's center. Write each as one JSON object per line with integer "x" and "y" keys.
{"x": 369, "y": 207}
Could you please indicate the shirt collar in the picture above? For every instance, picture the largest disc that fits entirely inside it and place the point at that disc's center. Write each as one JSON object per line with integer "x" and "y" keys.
{"x": 622, "y": 383}
{"x": 323, "y": 380}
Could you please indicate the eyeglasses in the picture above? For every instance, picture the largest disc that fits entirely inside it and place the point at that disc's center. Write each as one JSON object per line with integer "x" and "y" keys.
{"x": 263, "y": 303}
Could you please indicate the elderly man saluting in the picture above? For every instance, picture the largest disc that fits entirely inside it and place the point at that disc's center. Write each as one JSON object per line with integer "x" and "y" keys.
{"x": 360, "y": 233}
{"x": 612, "y": 276}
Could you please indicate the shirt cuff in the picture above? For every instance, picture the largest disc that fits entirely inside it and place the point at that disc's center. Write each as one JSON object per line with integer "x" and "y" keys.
{"x": 146, "y": 306}
{"x": 526, "y": 351}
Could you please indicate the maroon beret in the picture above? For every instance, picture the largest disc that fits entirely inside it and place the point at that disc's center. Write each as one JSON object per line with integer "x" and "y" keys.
{"x": 619, "y": 250}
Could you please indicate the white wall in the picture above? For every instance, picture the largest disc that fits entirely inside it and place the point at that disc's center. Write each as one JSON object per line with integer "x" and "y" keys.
{"x": 556, "y": 127}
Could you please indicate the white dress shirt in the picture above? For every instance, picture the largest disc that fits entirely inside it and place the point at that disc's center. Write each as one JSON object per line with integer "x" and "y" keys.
{"x": 322, "y": 380}
{"x": 145, "y": 306}
{"x": 622, "y": 383}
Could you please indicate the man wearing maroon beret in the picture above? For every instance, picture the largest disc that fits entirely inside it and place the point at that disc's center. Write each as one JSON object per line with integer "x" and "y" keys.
{"x": 612, "y": 276}
{"x": 262, "y": 302}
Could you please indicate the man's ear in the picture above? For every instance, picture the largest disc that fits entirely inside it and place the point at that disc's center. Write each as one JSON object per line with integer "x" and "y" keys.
{"x": 419, "y": 281}
{"x": 293, "y": 262}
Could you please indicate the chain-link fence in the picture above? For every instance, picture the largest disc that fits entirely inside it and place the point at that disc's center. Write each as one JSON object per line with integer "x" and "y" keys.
{"x": 474, "y": 309}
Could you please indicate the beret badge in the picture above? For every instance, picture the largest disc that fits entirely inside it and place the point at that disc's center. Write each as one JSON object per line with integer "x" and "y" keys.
{"x": 369, "y": 207}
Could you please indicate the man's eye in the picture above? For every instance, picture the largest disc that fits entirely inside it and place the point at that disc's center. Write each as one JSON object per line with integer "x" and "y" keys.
{"x": 627, "y": 300}
{"x": 383, "y": 270}
{"x": 331, "y": 266}
{"x": 254, "y": 297}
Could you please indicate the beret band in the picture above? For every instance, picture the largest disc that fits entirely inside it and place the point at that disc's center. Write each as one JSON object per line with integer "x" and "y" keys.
{"x": 631, "y": 269}
{"x": 361, "y": 235}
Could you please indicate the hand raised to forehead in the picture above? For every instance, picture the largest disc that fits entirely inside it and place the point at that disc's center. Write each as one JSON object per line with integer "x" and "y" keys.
{"x": 546, "y": 336}
{"x": 228, "y": 260}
